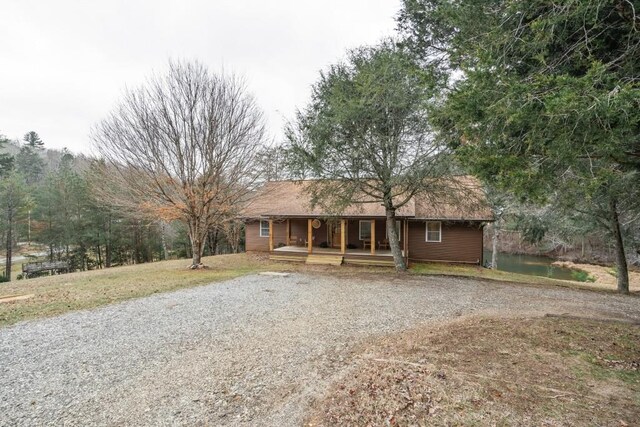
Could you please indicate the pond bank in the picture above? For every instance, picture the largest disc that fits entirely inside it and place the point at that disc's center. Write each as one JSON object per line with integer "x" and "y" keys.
{"x": 603, "y": 275}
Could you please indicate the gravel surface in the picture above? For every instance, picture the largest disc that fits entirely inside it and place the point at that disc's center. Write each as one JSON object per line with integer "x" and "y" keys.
{"x": 250, "y": 351}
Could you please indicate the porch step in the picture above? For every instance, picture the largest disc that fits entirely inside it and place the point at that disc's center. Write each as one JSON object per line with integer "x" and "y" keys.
{"x": 325, "y": 259}
{"x": 368, "y": 261}
{"x": 288, "y": 258}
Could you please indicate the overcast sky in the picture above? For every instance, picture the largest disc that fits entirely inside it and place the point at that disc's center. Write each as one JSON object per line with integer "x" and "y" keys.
{"x": 64, "y": 64}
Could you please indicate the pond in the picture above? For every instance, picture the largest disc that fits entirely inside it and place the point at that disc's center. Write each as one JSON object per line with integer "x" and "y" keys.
{"x": 529, "y": 264}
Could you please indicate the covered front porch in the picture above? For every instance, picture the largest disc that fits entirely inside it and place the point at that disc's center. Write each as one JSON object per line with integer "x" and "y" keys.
{"x": 315, "y": 235}
{"x": 348, "y": 240}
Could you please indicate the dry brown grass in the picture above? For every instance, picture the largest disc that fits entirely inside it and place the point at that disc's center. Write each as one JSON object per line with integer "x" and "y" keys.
{"x": 62, "y": 293}
{"x": 543, "y": 371}
{"x": 604, "y": 276}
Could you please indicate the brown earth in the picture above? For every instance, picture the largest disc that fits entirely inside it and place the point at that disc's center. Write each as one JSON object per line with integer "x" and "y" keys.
{"x": 489, "y": 371}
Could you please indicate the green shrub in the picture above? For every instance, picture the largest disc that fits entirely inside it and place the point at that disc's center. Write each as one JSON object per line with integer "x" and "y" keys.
{"x": 3, "y": 278}
{"x": 582, "y": 276}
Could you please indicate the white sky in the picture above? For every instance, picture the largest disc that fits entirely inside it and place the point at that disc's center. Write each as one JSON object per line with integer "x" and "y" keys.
{"x": 64, "y": 64}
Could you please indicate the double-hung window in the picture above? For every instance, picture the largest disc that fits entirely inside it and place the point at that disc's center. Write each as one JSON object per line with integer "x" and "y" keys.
{"x": 264, "y": 228}
{"x": 434, "y": 231}
{"x": 364, "y": 230}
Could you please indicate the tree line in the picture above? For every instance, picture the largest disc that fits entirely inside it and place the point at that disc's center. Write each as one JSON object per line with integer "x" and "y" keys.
{"x": 49, "y": 205}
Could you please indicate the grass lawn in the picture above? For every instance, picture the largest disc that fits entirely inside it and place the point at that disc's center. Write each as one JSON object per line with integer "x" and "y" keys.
{"x": 54, "y": 295}
{"x": 485, "y": 371}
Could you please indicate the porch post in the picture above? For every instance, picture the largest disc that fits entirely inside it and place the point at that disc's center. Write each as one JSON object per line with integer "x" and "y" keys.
{"x": 343, "y": 240}
{"x": 270, "y": 235}
{"x": 373, "y": 237}
{"x": 309, "y": 236}
{"x": 288, "y": 232}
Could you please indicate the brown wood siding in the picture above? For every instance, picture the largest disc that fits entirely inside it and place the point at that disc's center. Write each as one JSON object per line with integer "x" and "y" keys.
{"x": 254, "y": 242}
{"x": 299, "y": 231}
{"x": 279, "y": 233}
{"x": 320, "y": 234}
{"x": 352, "y": 233}
{"x": 460, "y": 243}
{"x": 381, "y": 230}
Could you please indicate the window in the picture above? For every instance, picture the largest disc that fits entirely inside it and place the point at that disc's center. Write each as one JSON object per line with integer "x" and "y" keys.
{"x": 264, "y": 228}
{"x": 398, "y": 229}
{"x": 434, "y": 231}
{"x": 365, "y": 230}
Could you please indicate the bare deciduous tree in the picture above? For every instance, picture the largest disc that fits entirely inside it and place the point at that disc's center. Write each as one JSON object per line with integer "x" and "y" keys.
{"x": 182, "y": 147}
{"x": 233, "y": 231}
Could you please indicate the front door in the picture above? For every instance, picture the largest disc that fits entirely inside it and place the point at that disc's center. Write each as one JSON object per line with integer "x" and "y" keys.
{"x": 334, "y": 234}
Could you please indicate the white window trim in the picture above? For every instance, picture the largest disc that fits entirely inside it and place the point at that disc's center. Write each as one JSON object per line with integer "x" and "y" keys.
{"x": 426, "y": 227}
{"x": 260, "y": 225}
{"x": 360, "y": 228}
{"x": 398, "y": 230}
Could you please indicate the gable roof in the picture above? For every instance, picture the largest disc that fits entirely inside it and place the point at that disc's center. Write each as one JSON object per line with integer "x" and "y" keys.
{"x": 464, "y": 201}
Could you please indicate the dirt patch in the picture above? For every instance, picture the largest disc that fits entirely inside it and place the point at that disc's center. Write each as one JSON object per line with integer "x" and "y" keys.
{"x": 483, "y": 371}
{"x": 11, "y": 298}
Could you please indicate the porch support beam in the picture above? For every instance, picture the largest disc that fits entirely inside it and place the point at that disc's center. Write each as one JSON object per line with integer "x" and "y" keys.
{"x": 270, "y": 235}
{"x": 343, "y": 236}
{"x": 373, "y": 237}
{"x": 309, "y": 236}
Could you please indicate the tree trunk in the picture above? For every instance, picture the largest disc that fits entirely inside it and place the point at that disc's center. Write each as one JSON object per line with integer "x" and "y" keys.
{"x": 50, "y": 235}
{"x": 99, "y": 255}
{"x": 165, "y": 252}
{"x": 9, "y": 255}
{"x": 107, "y": 246}
{"x": 136, "y": 243}
{"x": 494, "y": 246}
{"x": 621, "y": 259}
{"x": 197, "y": 247}
{"x": 394, "y": 242}
{"x": 212, "y": 238}
{"x": 198, "y": 238}
{"x": 235, "y": 240}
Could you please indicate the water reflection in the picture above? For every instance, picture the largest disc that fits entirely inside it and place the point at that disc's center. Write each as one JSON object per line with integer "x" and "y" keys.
{"x": 529, "y": 264}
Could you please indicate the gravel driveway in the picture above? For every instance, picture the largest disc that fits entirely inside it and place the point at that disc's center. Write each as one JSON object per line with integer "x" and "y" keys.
{"x": 250, "y": 351}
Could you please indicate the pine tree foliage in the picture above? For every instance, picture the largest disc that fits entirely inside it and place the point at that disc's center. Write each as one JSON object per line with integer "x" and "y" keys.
{"x": 545, "y": 99}
{"x": 365, "y": 136}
